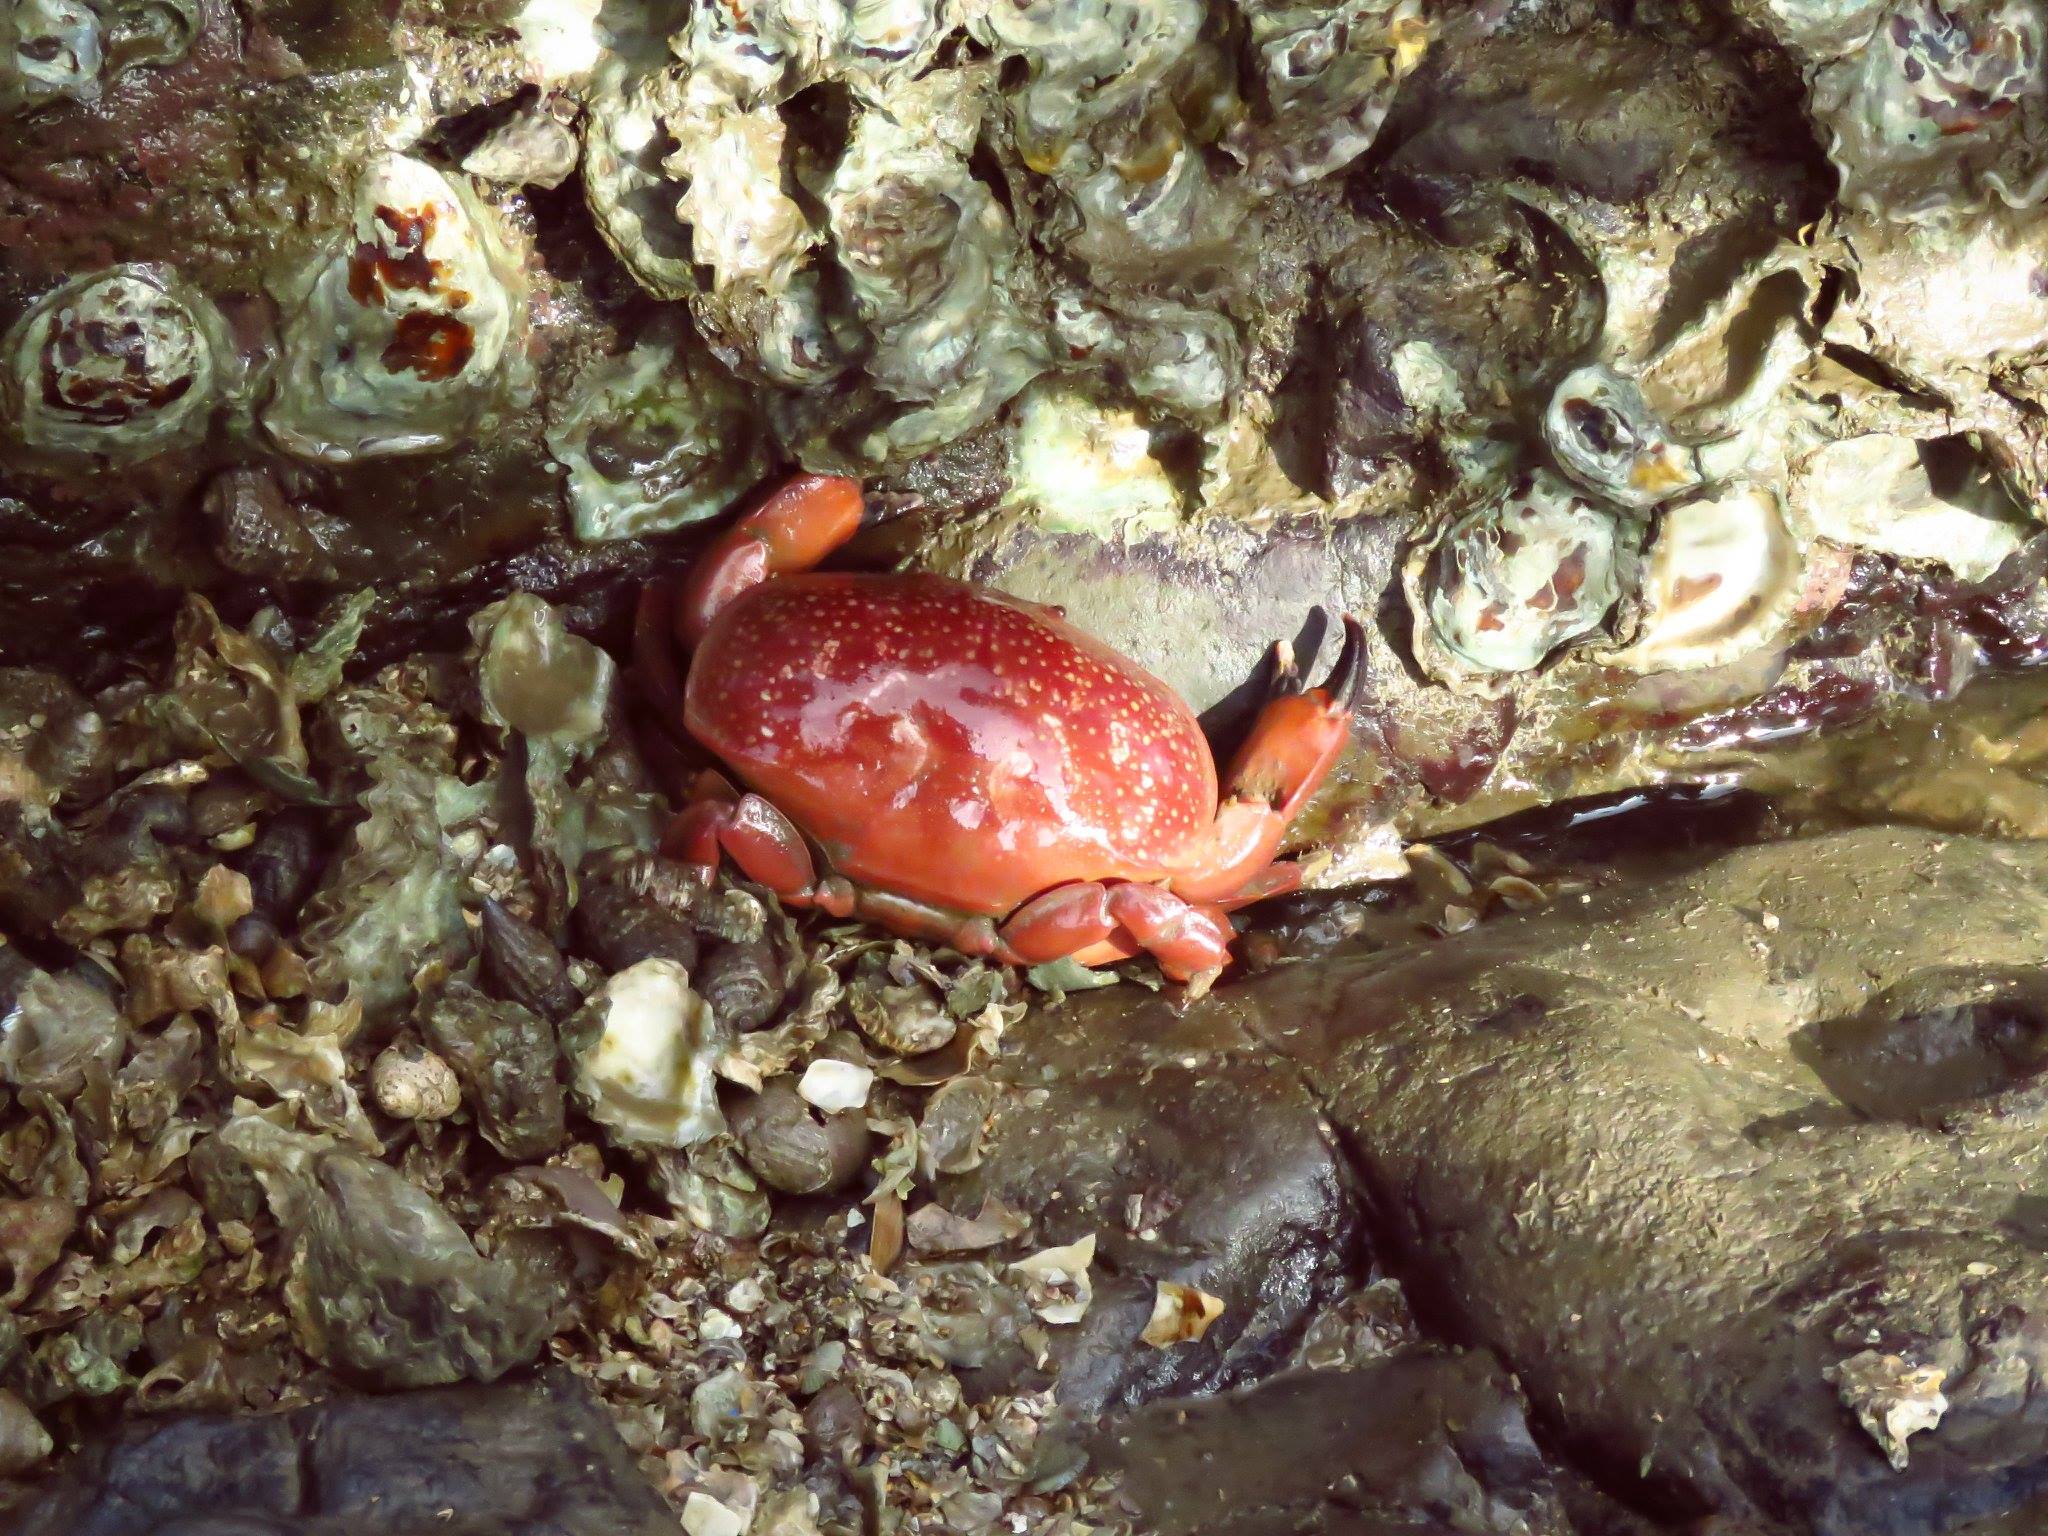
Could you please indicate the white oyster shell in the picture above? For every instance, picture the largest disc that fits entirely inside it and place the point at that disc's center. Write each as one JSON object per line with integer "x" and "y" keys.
{"x": 747, "y": 230}
{"x": 1510, "y": 582}
{"x": 399, "y": 336}
{"x": 1087, "y": 467}
{"x": 122, "y": 363}
{"x": 1606, "y": 437}
{"x": 1721, "y": 578}
{"x": 1945, "y": 103}
{"x": 1910, "y": 499}
{"x": 653, "y": 440}
{"x": 643, "y": 1053}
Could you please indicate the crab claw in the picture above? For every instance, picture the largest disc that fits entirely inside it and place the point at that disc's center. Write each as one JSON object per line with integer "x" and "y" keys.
{"x": 800, "y": 523}
{"x": 1288, "y": 752}
{"x": 1299, "y": 733}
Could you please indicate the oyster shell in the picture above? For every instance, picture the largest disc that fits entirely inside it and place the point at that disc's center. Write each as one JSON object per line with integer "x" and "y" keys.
{"x": 1720, "y": 579}
{"x": 643, "y": 1051}
{"x": 1945, "y": 105}
{"x": 655, "y": 439}
{"x": 1516, "y": 578}
{"x": 122, "y": 363}
{"x": 53, "y": 50}
{"x": 1933, "y": 501}
{"x": 1087, "y": 467}
{"x": 400, "y": 335}
{"x": 1605, "y": 436}
{"x": 1329, "y": 76}
{"x": 929, "y": 258}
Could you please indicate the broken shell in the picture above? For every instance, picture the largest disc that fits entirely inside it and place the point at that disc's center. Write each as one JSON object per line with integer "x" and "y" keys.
{"x": 410, "y": 1082}
{"x": 908, "y": 1020}
{"x": 654, "y": 440}
{"x": 1892, "y": 1398}
{"x": 1056, "y": 1280}
{"x": 835, "y": 1086}
{"x": 398, "y": 338}
{"x": 643, "y": 1051}
{"x": 1511, "y": 581}
{"x": 1914, "y": 500}
{"x": 1721, "y": 577}
{"x": 1606, "y": 437}
{"x": 536, "y": 677}
{"x": 1181, "y": 1314}
{"x": 122, "y": 363}
{"x": 59, "y": 1030}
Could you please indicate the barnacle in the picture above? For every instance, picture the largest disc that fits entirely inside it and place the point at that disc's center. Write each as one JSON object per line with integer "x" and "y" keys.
{"x": 401, "y": 333}
{"x": 1514, "y": 579}
{"x": 121, "y": 363}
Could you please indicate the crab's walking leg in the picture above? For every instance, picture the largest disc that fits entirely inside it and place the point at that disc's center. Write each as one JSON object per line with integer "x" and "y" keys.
{"x": 1092, "y": 921}
{"x": 803, "y": 520}
{"x": 758, "y": 838}
{"x": 1290, "y": 749}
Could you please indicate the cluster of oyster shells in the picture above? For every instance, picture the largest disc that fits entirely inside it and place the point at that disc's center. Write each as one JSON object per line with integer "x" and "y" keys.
{"x": 928, "y": 241}
{"x": 1873, "y": 383}
{"x": 865, "y": 230}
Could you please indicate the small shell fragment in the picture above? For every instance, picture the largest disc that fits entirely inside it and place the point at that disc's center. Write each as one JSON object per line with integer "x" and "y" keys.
{"x": 1181, "y": 1314}
{"x": 1891, "y": 1398}
{"x": 1056, "y": 1280}
{"x": 833, "y": 1086}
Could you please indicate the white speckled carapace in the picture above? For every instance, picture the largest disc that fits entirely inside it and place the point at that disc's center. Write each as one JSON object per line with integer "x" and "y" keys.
{"x": 965, "y": 756}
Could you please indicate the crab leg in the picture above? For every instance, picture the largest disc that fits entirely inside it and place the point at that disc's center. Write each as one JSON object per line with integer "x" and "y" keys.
{"x": 1093, "y": 922}
{"x": 803, "y": 520}
{"x": 1291, "y": 748}
{"x": 758, "y": 838}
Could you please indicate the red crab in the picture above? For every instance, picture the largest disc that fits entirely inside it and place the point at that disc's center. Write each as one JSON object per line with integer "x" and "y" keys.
{"x": 975, "y": 770}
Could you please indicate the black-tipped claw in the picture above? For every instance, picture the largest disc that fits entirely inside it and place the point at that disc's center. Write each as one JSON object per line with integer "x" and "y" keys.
{"x": 1346, "y": 683}
{"x": 879, "y": 507}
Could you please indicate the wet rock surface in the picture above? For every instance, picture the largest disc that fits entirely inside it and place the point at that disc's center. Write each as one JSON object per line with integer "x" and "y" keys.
{"x": 1427, "y": 1442}
{"x": 1193, "y": 1158}
{"x": 1732, "y": 1171}
{"x": 533, "y": 1458}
